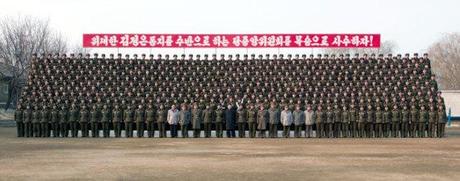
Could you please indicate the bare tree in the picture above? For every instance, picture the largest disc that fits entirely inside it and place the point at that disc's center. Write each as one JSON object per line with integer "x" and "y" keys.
{"x": 445, "y": 60}
{"x": 386, "y": 47}
{"x": 20, "y": 38}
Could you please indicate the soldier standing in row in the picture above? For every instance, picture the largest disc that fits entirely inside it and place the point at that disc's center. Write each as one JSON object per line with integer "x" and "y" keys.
{"x": 105, "y": 113}
{"x": 63, "y": 120}
{"x": 197, "y": 116}
{"x": 413, "y": 121}
{"x": 370, "y": 122}
{"x": 404, "y": 122}
{"x": 150, "y": 118}
{"x": 28, "y": 122}
{"x": 219, "y": 122}
{"x": 441, "y": 121}
{"x": 378, "y": 123}
{"x": 353, "y": 122}
{"x": 94, "y": 121}
{"x": 117, "y": 117}
{"x": 320, "y": 122}
{"x": 386, "y": 122}
{"x": 361, "y": 122}
{"x": 44, "y": 122}
{"x": 299, "y": 121}
{"x": 208, "y": 117}
{"x": 432, "y": 122}
{"x": 262, "y": 120}
{"x": 84, "y": 119}
{"x": 329, "y": 122}
{"x": 36, "y": 122}
{"x": 161, "y": 116}
{"x": 73, "y": 118}
{"x": 395, "y": 122}
{"x": 241, "y": 121}
{"x": 55, "y": 121}
{"x": 230, "y": 121}
{"x": 128, "y": 120}
{"x": 345, "y": 122}
{"x": 423, "y": 119}
{"x": 18, "y": 117}
{"x": 252, "y": 121}
{"x": 140, "y": 121}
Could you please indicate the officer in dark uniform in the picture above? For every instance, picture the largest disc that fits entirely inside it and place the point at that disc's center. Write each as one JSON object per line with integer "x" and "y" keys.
{"x": 150, "y": 118}
{"x": 161, "y": 120}
{"x": 105, "y": 121}
{"x": 63, "y": 122}
{"x": 36, "y": 116}
{"x": 219, "y": 122}
{"x": 84, "y": 119}
{"x": 73, "y": 118}
{"x": 45, "y": 122}
{"x": 208, "y": 117}
{"x": 19, "y": 118}
{"x": 55, "y": 121}
{"x": 117, "y": 119}
{"x": 140, "y": 121}
{"x": 252, "y": 121}
{"x": 94, "y": 120}
{"x": 128, "y": 120}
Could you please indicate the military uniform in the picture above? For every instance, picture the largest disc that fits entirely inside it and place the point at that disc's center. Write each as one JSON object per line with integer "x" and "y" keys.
{"x": 395, "y": 123}
{"x": 185, "y": 118}
{"x": 55, "y": 121}
{"x": 140, "y": 121}
{"x": 84, "y": 119}
{"x": 274, "y": 119}
{"x": 423, "y": 119}
{"x": 94, "y": 121}
{"x": 329, "y": 123}
{"x": 299, "y": 120}
{"x": 262, "y": 120}
{"x": 386, "y": 122}
{"x": 63, "y": 122}
{"x": 150, "y": 118}
{"x": 73, "y": 118}
{"x": 361, "y": 123}
{"x": 252, "y": 122}
{"x": 19, "y": 118}
{"x": 36, "y": 122}
{"x": 208, "y": 117}
{"x": 241, "y": 121}
{"x": 128, "y": 120}
{"x": 105, "y": 121}
{"x": 405, "y": 123}
{"x": 432, "y": 114}
{"x": 161, "y": 121}
{"x": 378, "y": 123}
{"x": 441, "y": 122}
{"x": 45, "y": 122}
{"x": 197, "y": 117}
{"x": 219, "y": 123}
{"x": 413, "y": 121}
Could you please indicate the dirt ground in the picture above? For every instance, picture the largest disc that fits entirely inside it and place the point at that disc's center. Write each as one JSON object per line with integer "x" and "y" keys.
{"x": 228, "y": 159}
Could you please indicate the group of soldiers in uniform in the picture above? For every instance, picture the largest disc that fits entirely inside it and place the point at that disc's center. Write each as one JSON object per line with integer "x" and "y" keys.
{"x": 322, "y": 96}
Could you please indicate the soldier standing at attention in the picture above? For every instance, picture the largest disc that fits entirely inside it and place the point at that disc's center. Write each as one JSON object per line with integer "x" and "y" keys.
{"x": 320, "y": 121}
{"x": 252, "y": 121}
{"x": 353, "y": 121}
{"x": 432, "y": 122}
{"x": 105, "y": 112}
{"x": 423, "y": 119}
{"x": 55, "y": 121}
{"x": 345, "y": 122}
{"x": 262, "y": 120}
{"x": 386, "y": 122}
{"x": 73, "y": 118}
{"x": 361, "y": 122}
{"x": 329, "y": 122}
{"x": 18, "y": 117}
{"x": 63, "y": 120}
{"x": 441, "y": 121}
{"x": 413, "y": 121}
{"x": 161, "y": 115}
{"x": 395, "y": 122}
{"x": 183, "y": 117}
{"x": 197, "y": 116}
{"x": 370, "y": 122}
{"x": 140, "y": 121}
{"x": 117, "y": 116}
{"x": 150, "y": 118}
{"x": 36, "y": 122}
{"x": 208, "y": 116}
{"x": 404, "y": 122}
{"x": 337, "y": 122}
{"x": 94, "y": 120}
{"x": 286, "y": 121}
{"x": 28, "y": 122}
{"x": 128, "y": 119}
{"x": 299, "y": 120}
{"x": 310, "y": 117}
{"x": 219, "y": 122}
{"x": 274, "y": 117}
{"x": 44, "y": 122}
{"x": 378, "y": 123}
{"x": 84, "y": 117}
{"x": 241, "y": 121}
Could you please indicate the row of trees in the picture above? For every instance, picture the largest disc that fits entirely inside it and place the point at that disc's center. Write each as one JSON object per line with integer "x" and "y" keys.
{"x": 23, "y": 36}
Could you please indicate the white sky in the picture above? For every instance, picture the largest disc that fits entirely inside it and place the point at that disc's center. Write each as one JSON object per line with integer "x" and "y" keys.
{"x": 412, "y": 24}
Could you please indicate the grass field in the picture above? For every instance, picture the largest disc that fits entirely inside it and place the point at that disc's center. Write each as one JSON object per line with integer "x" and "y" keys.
{"x": 228, "y": 159}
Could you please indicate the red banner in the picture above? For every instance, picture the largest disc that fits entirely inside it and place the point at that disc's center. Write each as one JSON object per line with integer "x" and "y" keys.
{"x": 231, "y": 40}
